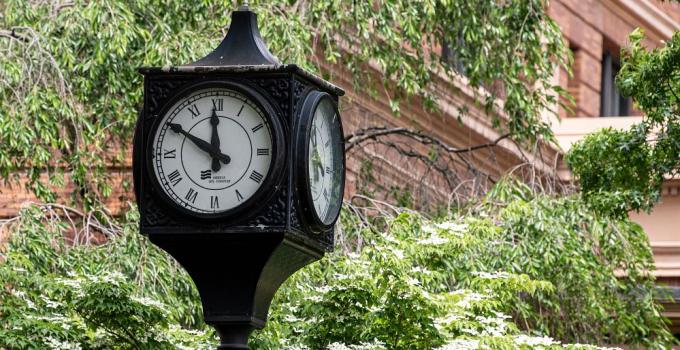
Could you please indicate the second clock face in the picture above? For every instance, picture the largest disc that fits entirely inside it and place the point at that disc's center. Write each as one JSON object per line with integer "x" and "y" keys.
{"x": 212, "y": 150}
{"x": 325, "y": 164}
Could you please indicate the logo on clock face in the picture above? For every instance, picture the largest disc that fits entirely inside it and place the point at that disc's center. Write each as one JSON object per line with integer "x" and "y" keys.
{"x": 206, "y": 174}
{"x": 212, "y": 150}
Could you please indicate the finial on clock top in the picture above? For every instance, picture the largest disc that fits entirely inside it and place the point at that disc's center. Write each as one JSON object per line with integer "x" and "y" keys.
{"x": 242, "y": 46}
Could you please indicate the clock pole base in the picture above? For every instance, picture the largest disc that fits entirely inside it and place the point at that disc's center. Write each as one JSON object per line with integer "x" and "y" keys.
{"x": 233, "y": 337}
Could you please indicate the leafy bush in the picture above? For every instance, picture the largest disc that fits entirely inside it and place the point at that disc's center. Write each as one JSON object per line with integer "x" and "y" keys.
{"x": 518, "y": 270}
{"x": 116, "y": 295}
{"x": 516, "y": 264}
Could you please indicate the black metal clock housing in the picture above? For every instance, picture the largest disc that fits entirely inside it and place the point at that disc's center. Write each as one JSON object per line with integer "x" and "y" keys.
{"x": 205, "y": 179}
{"x": 217, "y": 180}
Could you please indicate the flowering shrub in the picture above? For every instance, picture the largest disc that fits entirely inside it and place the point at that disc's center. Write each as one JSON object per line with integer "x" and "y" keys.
{"x": 501, "y": 276}
{"x": 62, "y": 295}
{"x": 518, "y": 271}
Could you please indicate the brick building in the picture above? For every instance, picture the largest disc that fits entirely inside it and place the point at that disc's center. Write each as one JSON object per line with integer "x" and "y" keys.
{"x": 595, "y": 30}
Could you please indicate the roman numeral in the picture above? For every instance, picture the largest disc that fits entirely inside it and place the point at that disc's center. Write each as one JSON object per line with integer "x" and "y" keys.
{"x": 239, "y": 196}
{"x": 169, "y": 154}
{"x": 194, "y": 111}
{"x": 325, "y": 194}
{"x": 257, "y": 127}
{"x": 218, "y": 104}
{"x": 263, "y": 151}
{"x": 328, "y": 170}
{"x": 255, "y": 176}
{"x": 191, "y": 195}
{"x": 174, "y": 177}
{"x": 214, "y": 202}
{"x": 240, "y": 110}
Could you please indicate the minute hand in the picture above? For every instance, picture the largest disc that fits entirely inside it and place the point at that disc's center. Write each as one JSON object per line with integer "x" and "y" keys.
{"x": 205, "y": 146}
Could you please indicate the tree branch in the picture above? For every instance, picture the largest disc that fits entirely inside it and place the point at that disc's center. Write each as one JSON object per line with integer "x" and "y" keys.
{"x": 13, "y": 34}
{"x": 373, "y": 133}
{"x": 432, "y": 163}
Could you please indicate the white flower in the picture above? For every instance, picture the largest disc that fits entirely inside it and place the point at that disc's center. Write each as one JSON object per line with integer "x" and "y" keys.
{"x": 470, "y": 298}
{"x": 296, "y": 347}
{"x": 148, "y": 302}
{"x": 493, "y": 326}
{"x": 433, "y": 240}
{"x": 492, "y": 275}
{"x": 397, "y": 252}
{"x": 314, "y": 299}
{"x": 461, "y": 344}
{"x": 291, "y": 319}
{"x": 429, "y": 229}
{"x": 49, "y": 303}
{"x": 523, "y": 339}
{"x": 391, "y": 239}
{"x": 590, "y": 347}
{"x": 420, "y": 269}
{"x": 55, "y": 344}
{"x": 449, "y": 319}
{"x": 374, "y": 309}
{"x": 375, "y": 345}
{"x": 413, "y": 282}
{"x": 452, "y": 226}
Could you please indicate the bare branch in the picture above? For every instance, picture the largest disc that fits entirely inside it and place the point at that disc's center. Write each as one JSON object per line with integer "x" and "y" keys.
{"x": 14, "y": 34}
{"x": 373, "y": 133}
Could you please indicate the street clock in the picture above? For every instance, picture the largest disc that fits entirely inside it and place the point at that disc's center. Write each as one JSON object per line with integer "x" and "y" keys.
{"x": 239, "y": 172}
{"x": 216, "y": 149}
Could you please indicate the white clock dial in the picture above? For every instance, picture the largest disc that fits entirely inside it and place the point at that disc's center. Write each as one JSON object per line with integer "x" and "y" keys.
{"x": 212, "y": 150}
{"x": 325, "y": 161}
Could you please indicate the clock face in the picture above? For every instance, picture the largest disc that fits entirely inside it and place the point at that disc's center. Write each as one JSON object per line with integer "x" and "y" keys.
{"x": 212, "y": 150}
{"x": 325, "y": 165}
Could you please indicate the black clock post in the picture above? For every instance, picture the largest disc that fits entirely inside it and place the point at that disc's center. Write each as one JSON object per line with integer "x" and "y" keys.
{"x": 238, "y": 166}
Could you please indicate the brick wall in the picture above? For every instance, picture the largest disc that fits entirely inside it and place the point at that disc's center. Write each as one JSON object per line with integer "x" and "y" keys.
{"x": 592, "y": 27}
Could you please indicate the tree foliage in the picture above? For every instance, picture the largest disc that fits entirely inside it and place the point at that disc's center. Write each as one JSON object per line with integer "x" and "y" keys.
{"x": 65, "y": 288}
{"x": 621, "y": 171}
{"x": 516, "y": 271}
{"x": 69, "y": 90}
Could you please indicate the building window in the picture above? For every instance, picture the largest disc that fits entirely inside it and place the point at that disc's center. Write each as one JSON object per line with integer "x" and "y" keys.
{"x": 451, "y": 55}
{"x": 612, "y": 104}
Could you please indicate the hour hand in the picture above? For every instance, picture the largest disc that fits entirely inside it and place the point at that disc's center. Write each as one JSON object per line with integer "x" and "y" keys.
{"x": 215, "y": 140}
{"x": 212, "y": 151}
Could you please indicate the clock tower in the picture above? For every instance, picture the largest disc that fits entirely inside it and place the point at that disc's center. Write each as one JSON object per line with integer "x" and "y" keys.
{"x": 239, "y": 169}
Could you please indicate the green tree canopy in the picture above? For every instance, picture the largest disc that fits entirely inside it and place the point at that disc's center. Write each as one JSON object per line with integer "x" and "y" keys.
{"x": 623, "y": 170}
{"x": 69, "y": 89}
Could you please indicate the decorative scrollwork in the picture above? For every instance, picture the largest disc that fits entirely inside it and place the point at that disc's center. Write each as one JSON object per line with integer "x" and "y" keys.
{"x": 278, "y": 89}
{"x": 159, "y": 93}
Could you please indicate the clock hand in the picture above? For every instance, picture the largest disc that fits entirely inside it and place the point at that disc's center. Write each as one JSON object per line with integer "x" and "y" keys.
{"x": 214, "y": 152}
{"x": 215, "y": 140}
{"x": 320, "y": 166}
{"x": 317, "y": 156}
